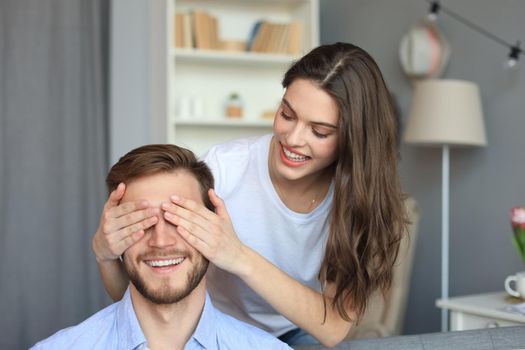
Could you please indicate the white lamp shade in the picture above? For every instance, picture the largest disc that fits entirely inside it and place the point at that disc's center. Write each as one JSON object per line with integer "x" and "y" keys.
{"x": 446, "y": 112}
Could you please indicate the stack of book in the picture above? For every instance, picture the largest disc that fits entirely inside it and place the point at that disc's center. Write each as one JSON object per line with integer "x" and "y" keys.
{"x": 196, "y": 29}
{"x": 268, "y": 37}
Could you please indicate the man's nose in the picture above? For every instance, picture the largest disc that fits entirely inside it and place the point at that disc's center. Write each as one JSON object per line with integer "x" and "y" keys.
{"x": 163, "y": 234}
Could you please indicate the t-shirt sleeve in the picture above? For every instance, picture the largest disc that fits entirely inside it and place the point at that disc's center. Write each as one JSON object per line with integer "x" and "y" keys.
{"x": 211, "y": 159}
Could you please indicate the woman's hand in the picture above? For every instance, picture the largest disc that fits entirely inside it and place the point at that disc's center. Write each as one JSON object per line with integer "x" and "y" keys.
{"x": 121, "y": 225}
{"x": 212, "y": 234}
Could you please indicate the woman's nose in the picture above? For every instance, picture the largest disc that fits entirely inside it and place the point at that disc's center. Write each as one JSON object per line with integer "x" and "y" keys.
{"x": 295, "y": 136}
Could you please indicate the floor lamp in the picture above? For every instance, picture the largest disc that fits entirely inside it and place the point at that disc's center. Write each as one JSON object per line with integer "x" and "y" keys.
{"x": 445, "y": 113}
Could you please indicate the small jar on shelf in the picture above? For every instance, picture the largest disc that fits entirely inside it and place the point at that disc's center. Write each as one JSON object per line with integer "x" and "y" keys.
{"x": 234, "y": 106}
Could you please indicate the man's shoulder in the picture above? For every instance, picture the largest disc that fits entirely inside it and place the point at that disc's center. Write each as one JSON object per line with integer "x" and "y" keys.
{"x": 92, "y": 332}
{"x": 233, "y": 331}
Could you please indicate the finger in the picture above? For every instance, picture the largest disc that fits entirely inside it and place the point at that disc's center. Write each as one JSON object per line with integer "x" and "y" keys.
{"x": 112, "y": 246}
{"x": 115, "y": 196}
{"x": 127, "y": 242}
{"x": 118, "y": 248}
{"x": 115, "y": 238}
{"x": 189, "y": 226}
{"x": 139, "y": 226}
{"x": 123, "y": 239}
{"x": 191, "y": 206}
{"x": 218, "y": 203}
{"x": 126, "y": 208}
{"x": 194, "y": 241}
{"x": 198, "y": 214}
{"x": 130, "y": 219}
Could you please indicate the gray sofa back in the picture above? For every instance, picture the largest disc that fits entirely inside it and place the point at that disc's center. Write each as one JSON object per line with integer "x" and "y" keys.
{"x": 504, "y": 338}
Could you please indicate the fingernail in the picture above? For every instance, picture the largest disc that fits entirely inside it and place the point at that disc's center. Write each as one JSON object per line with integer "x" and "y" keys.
{"x": 175, "y": 198}
{"x": 165, "y": 205}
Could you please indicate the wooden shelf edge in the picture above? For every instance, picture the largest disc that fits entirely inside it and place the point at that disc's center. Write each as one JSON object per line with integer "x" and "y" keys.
{"x": 224, "y": 123}
{"x": 191, "y": 55}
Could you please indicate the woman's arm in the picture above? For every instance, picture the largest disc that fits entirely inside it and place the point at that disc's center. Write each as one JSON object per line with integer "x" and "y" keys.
{"x": 114, "y": 278}
{"x": 213, "y": 235}
{"x": 121, "y": 225}
{"x": 301, "y": 305}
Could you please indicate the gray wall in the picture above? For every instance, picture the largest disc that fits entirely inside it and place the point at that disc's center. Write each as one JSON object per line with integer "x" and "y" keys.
{"x": 129, "y": 60}
{"x": 485, "y": 183}
{"x": 138, "y": 103}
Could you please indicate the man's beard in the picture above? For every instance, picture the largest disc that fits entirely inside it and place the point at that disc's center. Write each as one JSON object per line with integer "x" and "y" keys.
{"x": 165, "y": 294}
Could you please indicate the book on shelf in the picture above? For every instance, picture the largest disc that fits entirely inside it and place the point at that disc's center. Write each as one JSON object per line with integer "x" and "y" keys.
{"x": 259, "y": 34}
{"x": 188, "y": 36}
{"x": 251, "y": 39}
{"x": 183, "y": 31}
{"x": 295, "y": 36}
{"x": 213, "y": 30}
{"x": 201, "y": 29}
{"x": 276, "y": 37}
{"x": 282, "y": 44}
{"x": 178, "y": 34}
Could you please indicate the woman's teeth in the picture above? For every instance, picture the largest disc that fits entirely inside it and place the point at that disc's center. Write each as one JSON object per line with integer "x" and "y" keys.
{"x": 293, "y": 156}
{"x": 162, "y": 263}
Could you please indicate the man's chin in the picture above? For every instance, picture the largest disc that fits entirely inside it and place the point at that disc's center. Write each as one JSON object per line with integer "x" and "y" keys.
{"x": 164, "y": 296}
{"x": 160, "y": 294}
{"x": 160, "y": 291}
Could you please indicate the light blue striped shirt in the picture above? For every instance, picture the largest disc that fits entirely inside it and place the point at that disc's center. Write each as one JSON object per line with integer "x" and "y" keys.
{"x": 117, "y": 327}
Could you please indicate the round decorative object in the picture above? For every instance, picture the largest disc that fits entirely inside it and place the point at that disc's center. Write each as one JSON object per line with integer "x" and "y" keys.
{"x": 424, "y": 51}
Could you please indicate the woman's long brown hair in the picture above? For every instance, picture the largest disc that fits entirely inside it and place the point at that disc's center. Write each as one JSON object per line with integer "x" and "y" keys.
{"x": 367, "y": 218}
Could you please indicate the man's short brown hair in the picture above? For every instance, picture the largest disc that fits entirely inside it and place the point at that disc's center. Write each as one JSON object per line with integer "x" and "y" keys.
{"x": 160, "y": 158}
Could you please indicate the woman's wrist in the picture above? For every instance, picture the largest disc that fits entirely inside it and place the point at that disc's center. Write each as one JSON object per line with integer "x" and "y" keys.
{"x": 105, "y": 260}
{"x": 245, "y": 262}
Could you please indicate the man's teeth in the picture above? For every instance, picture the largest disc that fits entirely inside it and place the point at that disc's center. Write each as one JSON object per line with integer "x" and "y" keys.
{"x": 293, "y": 156}
{"x": 161, "y": 263}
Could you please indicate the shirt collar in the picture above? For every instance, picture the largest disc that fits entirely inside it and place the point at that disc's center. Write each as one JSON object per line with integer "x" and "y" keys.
{"x": 130, "y": 335}
{"x": 206, "y": 332}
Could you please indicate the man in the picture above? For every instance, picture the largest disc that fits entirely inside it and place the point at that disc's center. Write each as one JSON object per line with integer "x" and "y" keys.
{"x": 166, "y": 305}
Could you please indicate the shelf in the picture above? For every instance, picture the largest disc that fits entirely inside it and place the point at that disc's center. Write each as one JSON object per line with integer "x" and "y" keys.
{"x": 225, "y": 123}
{"x": 243, "y": 2}
{"x": 231, "y": 57}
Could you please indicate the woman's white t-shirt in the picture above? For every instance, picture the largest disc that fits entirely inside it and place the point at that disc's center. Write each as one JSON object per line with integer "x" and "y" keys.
{"x": 294, "y": 242}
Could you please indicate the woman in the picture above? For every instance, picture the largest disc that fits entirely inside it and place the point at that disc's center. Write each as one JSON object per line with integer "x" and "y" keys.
{"x": 315, "y": 211}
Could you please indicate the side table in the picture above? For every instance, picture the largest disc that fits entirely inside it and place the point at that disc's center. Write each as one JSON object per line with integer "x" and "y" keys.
{"x": 481, "y": 311}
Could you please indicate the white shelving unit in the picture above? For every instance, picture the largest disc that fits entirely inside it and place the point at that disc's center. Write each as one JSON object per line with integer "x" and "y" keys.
{"x": 197, "y": 80}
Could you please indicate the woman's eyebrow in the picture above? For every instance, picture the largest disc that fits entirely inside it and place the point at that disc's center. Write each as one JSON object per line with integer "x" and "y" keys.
{"x": 328, "y": 125}
{"x": 285, "y": 101}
